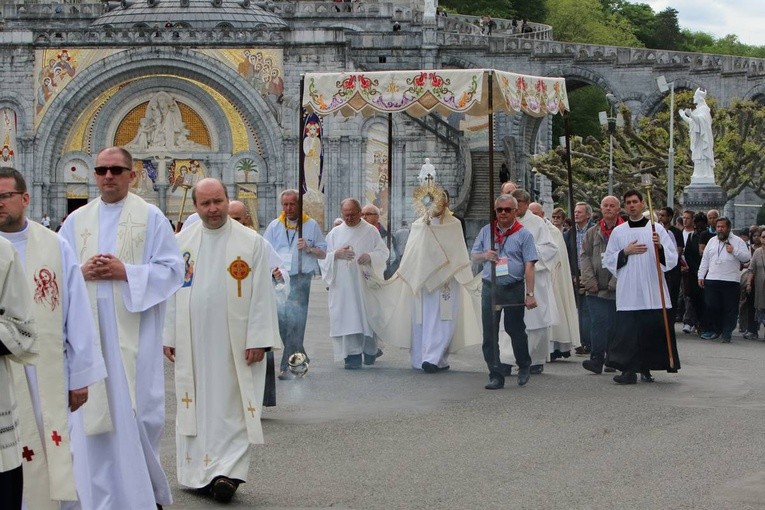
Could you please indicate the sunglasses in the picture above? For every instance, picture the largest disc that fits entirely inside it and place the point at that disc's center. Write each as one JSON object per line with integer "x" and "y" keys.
{"x": 115, "y": 170}
{"x": 505, "y": 209}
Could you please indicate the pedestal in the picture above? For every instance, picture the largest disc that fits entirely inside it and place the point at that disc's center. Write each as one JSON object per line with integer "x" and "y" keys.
{"x": 703, "y": 197}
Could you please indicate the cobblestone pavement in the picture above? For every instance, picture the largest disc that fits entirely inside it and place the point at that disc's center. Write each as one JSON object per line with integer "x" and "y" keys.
{"x": 389, "y": 437}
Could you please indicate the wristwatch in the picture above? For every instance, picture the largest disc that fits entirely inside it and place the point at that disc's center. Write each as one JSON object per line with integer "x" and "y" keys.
{"x": 530, "y": 294}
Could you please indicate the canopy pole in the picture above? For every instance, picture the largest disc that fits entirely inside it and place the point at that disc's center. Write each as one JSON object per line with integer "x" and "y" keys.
{"x": 492, "y": 228}
{"x": 571, "y": 246}
{"x": 301, "y": 170}
{"x": 390, "y": 179}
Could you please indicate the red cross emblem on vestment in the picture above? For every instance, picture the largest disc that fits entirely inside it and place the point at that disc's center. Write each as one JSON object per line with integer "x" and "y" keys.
{"x": 56, "y": 438}
{"x": 239, "y": 270}
{"x": 27, "y": 454}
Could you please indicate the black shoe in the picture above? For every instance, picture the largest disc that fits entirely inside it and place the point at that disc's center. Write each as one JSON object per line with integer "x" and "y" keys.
{"x": 429, "y": 368}
{"x": 645, "y": 376}
{"x": 523, "y": 376}
{"x": 536, "y": 369}
{"x": 565, "y": 354}
{"x": 505, "y": 369}
{"x": 582, "y": 351}
{"x": 379, "y": 353}
{"x": 594, "y": 366}
{"x": 353, "y": 362}
{"x": 286, "y": 375}
{"x": 726, "y": 340}
{"x": 626, "y": 378}
{"x": 369, "y": 359}
{"x": 556, "y": 354}
{"x": 495, "y": 384}
{"x": 223, "y": 489}
{"x": 609, "y": 370}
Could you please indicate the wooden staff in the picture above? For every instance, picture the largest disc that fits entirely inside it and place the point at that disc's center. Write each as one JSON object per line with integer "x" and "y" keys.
{"x": 183, "y": 205}
{"x": 661, "y": 279}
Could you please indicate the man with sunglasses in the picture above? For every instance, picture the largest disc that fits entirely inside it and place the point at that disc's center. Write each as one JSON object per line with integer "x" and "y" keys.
{"x": 67, "y": 364}
{"x": 509, "y": 248}
{"x": 132, "y": 265}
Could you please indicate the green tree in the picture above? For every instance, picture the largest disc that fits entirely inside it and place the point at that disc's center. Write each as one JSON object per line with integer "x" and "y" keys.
{"x": 585, "y": 103}
{"x": 503, "y": 9}
{"x": 739, "y": 133}
{"x": 586, "y": 21}
{"x": 532, "y": 10}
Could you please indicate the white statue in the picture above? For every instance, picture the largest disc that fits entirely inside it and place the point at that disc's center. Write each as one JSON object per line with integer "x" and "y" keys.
{"x": 427, "y": 173}
{"x": 162, "y": 127}
{"x": 430, "y": 9}
{"x": 702, "y": 143}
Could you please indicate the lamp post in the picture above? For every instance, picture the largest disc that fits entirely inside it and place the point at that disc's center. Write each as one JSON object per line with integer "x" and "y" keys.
{"x": 611, "y": 123}
{"x": 664, "y": 87}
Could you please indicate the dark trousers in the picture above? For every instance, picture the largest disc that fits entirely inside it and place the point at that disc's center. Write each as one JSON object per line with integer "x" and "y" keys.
{"x": 721, "y": 300}
{"x": 696, "y": 296}
{"x": 673, "y": 286}
{"x": 746, "y": 320}
{"x": 11, "y": 488}
{"x": 514, "y": 326}
{"x": 583, "y": 311}
{"x": 602, "y": 314}
{"x": 293, "y": 315}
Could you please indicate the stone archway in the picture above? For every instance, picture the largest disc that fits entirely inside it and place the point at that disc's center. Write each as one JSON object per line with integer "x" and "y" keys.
{"x": 186, "y": 64}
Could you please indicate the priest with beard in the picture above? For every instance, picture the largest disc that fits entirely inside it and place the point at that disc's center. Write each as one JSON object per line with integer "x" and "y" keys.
{"x": 640, "y": 344}
{"x": 219, "y": 326}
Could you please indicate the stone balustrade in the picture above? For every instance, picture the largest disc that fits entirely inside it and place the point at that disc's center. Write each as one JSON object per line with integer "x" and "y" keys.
{"x": 48, "y": 11}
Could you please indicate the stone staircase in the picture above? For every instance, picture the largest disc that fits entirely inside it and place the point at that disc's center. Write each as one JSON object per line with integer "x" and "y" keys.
{"x": 477, "y": 211}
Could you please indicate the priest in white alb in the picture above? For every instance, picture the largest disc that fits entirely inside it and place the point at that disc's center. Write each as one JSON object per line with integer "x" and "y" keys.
{"x": 564, "y": 335}
{"x": 219, "y": 327}
{"x": 355, "y": 250}
{"x": 18, "y": 342}
{"x": 131, "y": 264}
{"x": 432, "y": 304}
{"x": 54, "y": 450}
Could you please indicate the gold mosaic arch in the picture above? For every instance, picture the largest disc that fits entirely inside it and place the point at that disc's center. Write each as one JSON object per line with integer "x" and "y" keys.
{"x": 242, "y": 133}
{"x": 128, "y": 126}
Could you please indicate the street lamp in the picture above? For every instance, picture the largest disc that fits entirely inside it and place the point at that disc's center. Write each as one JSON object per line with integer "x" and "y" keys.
{"x": 611, "y": 123}
{"x": 664, "y": 87}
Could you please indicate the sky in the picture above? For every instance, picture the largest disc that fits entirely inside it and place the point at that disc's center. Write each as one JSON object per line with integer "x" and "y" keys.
{"x": 744, "y": 18}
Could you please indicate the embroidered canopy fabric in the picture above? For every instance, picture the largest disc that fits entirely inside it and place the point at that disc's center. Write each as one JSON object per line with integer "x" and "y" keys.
{"x": 420, "y": 92}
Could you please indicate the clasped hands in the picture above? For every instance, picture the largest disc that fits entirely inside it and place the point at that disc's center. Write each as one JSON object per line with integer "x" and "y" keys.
{"x": 104, "y": 267}
{"x": 347, "y": 253}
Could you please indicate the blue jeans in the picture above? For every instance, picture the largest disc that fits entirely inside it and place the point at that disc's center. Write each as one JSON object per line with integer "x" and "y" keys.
{"x": 293, "y": 315}
{"x": 514, "y": 326}
{"x": 602, "y": 315}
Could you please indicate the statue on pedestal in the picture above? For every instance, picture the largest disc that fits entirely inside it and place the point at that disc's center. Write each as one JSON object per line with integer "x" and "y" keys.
{"x": 427, "y": 172}
{"x": 702, "y": 143}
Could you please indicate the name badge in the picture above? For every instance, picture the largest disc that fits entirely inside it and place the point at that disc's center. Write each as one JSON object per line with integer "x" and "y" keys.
{"x": 502, "y": 269}
{"x": 286, "y": 255}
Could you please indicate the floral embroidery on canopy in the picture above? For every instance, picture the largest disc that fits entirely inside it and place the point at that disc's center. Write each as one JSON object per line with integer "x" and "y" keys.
{"x": 420, "y": 92}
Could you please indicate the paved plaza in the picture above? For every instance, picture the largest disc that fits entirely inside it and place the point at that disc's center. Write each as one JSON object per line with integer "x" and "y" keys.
{"x": 389, "y": 437}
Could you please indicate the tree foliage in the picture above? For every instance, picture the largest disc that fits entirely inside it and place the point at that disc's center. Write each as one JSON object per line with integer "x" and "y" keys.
{"x": 643, "y": 147}
{"x": 586, "y": 21}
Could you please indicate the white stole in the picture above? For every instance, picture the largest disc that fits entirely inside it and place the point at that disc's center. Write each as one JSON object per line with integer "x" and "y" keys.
{"x": 130, "y": 248}
{"x": 47, "y": 283}
{"x": 241, "y": 245}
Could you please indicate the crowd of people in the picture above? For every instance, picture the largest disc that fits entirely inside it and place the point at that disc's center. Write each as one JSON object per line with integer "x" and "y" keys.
{"x": 98, "y": 304}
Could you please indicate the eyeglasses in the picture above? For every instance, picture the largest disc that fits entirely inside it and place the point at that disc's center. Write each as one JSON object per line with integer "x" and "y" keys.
{"x": 370, "y": 214}
{"x": 115, "y": 170}
{"x": 4, "y": 197}
{"x": 504, "y": 209}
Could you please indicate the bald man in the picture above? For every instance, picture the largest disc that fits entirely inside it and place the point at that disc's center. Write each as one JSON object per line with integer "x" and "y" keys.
{"x": 220, "y": 325}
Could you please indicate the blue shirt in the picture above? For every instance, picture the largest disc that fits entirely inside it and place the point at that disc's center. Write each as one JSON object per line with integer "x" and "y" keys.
{"x": 284, "y": 241}
{"x": 518, "y": 248}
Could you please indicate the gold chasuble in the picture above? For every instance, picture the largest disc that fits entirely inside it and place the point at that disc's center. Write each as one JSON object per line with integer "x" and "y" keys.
{"x": 131, "y": 237}
{"x": 47, "y": 283}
